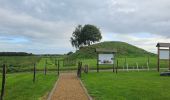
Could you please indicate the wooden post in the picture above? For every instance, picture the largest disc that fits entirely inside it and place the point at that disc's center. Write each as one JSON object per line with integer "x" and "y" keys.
{"x": 148, "y": 66}
{"x": 34, "y": 73}
{"x": 58, "y": 67}
{"x": 79, "y": 69}
{"x": 148, "y": 60}
{"x": 113, "y": 68}
{"x": 125, "y": 63}
{"x": 3, "y": 81}
{"x": 113, "y": 63}
{"x": 86, "y": 69}
{"x": 45, "y": 67}
{"x": 97, "y": 62}
{"x": 117, "y": 66}
{"x": 137, "y": 66}
{"x": 158, "y": 59}
{"x": 127, "y": 67}
{"x": 55, "y": 62}
{"x": 169, "y": 58}
{"x": 63, "y": 63}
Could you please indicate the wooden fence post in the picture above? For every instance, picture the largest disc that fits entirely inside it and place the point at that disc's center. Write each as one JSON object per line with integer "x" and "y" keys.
{"x": 125, "y": 61}
{"x": 137, "y": 66}
{"x": 169, "y": 58}
{"x": 45, "y": 67}
{"x": 113, "y": 67}
{"x": 58, "y": 67}
{"x": 79, "y": 69}
{"x": 63, "y": 63}
{"x": 34, "y": 73}
{"x": 158, "y": 60}
{"x": 86, "y": 69}
{"x": 125, "y": 64}
{"x": 97, "y": 62}
{"x": 117, "y": 66}
{"x": 3, "y": 81}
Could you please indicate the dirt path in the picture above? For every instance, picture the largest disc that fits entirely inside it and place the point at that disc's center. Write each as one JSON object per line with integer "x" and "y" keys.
{"x": 69, "y": 88}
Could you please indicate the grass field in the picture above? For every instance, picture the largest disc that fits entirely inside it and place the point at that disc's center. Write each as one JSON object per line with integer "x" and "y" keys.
{"x": 127, "y": 86}
{"x": 132, "y": 63}
{"x": 25, "y": 63}
{"x": 19, "y": 63}
{"x": 142, "y": 61}
{"x": 20, "y": 86}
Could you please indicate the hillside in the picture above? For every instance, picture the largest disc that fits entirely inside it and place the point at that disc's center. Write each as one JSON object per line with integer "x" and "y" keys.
{"x": 124, "y": 49}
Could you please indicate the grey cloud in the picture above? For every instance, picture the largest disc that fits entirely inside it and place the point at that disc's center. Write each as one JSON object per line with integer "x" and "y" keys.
{"x": 51, "y": 22}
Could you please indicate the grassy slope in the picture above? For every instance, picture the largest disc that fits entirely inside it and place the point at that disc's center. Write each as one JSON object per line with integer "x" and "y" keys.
{"x": 21, "y": 87}
{"x": 127, "y": 86}
{"x": 124, "y": 49}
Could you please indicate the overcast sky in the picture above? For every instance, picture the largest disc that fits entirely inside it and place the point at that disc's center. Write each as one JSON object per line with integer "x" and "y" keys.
{"x": 45, "y": 26}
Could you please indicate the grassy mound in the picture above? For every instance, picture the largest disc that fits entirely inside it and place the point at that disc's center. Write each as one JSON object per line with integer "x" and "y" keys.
{"x": 124, "y": 49}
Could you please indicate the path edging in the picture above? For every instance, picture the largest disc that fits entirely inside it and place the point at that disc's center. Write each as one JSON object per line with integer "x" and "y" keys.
{"x": 52, "y": 91}
{"x": 85, "y": 90}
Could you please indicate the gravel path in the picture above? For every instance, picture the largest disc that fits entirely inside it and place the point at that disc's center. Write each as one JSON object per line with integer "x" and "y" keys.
{"x": 69, "y": 88}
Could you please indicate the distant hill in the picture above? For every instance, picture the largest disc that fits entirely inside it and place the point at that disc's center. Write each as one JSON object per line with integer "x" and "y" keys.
{"x": 124, "y": 49}
{"x": 15, "y": 54}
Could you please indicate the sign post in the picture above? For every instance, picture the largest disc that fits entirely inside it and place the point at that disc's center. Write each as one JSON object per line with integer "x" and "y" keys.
{"x": 105, "y": 57}
{"x": 163, "y": 53}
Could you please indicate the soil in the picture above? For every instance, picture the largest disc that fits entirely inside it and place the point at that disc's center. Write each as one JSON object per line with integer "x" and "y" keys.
{"x": 69, "y": 88}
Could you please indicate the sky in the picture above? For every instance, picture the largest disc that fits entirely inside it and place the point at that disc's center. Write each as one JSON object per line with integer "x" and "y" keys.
{"x": 45, "y": 26}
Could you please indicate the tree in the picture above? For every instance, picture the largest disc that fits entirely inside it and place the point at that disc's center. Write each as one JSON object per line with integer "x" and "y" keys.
{"x": 86, "y": 35}
{"x": 76, "y": 37}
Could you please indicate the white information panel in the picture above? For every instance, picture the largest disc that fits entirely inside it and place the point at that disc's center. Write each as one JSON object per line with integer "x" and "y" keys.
{"x": 106, "y": 58}
{"x": 164, "y": 54}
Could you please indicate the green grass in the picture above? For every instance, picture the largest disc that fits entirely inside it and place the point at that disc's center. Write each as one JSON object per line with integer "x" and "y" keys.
{"x": 131, "y": 61}
{"x": 19, "y": 63}
{"x": 127, "y": 86}
{"x": 20, "y": 86}
{"x": 142, "y": 61}
{"x": 50, "y": 63}
{"x": 25, "y": 63}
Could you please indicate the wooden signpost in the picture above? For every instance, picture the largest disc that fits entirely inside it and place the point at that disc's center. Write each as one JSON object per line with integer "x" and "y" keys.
{"x": 163, "y": 53}
{"x": 106, "y": 57}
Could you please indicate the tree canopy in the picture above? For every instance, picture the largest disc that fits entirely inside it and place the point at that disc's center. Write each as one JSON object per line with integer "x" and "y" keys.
{"x": 85, "y": 35}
